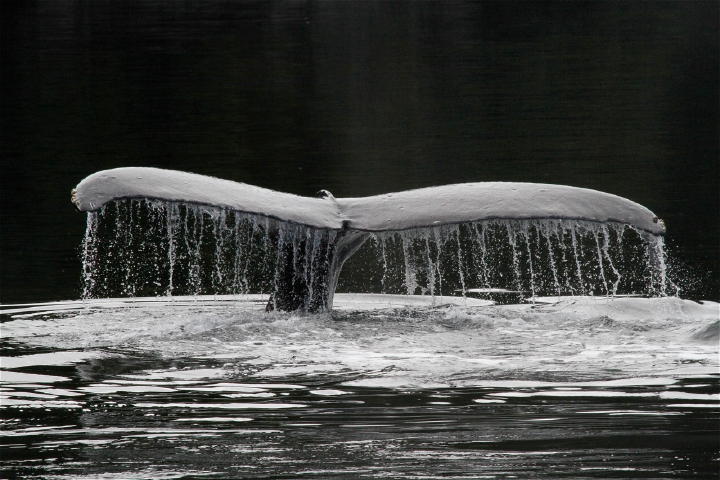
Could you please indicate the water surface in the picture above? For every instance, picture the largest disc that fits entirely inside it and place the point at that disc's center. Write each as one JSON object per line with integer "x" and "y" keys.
{"x": 203, "y": 388}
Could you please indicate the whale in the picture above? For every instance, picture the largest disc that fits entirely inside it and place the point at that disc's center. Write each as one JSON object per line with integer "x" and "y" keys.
{"x": 347, "y": 223}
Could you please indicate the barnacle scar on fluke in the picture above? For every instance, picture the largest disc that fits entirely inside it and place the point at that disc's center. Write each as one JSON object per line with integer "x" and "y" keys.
{"x": 305, "y": 241}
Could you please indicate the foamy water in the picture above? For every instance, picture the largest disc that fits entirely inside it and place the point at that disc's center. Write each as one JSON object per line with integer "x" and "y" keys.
{"x": 189, "y": 388}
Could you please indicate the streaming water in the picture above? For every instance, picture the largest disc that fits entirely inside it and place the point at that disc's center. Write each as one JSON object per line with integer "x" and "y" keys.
{"x": 141, "y": 247}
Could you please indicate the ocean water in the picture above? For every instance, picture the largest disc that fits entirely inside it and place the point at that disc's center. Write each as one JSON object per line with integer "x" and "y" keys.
{"x": 385, "y": 386}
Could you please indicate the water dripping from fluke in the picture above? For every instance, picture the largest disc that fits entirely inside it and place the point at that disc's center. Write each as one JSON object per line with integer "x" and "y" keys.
{"x": 173, "y": 233}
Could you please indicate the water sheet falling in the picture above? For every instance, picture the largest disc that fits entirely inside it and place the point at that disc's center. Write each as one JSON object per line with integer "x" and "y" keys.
{"x": 142, "y": 247}
{"x": 536, "y": 257}
{"x": 138, "y": 247}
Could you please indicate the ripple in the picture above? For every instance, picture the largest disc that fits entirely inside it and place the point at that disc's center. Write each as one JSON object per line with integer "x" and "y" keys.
{"x": 67, "y": 357}
{"x": 15, "y": 403}
{"x": 328, "y": 392}
{"x": 214, "y": 419}
{"x": 576, "y": 394}
{"x": 20, "y": 377}
{"x": 694, "y": 405}
{"x": 228, "y": 406}
{"x": 103, "y": 388}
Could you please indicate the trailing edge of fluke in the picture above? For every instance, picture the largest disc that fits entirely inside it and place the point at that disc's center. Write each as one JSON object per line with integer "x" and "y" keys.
{"x": 411, "y": 209}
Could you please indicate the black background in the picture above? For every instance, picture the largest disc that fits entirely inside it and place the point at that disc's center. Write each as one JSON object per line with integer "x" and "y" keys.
{"x": 358, "y": 98}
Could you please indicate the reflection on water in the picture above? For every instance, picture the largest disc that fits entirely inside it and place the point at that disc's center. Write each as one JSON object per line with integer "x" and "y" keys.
{"x": 579, "y": 388}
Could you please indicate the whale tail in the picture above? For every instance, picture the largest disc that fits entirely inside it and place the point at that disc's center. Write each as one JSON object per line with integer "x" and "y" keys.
{"x": 327, "y": 231}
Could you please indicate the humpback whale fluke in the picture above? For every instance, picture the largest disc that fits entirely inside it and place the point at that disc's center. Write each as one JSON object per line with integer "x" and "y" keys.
{"x": 342, "y": 225}
{"x": 424, "y": 207}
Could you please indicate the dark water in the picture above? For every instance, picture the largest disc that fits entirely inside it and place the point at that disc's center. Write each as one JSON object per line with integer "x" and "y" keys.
{"x": 591, "y": 388}
{"x": 364, "y": 433}
{"x": 358, "y": 98}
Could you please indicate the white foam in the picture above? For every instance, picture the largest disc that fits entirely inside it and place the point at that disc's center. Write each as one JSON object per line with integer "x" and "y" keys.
{"x": 372, "y": 301}
{"x": 595, "y": 343}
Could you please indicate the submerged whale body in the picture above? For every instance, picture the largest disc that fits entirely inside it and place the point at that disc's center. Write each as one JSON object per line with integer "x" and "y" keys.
{"x": 338, "y": 227}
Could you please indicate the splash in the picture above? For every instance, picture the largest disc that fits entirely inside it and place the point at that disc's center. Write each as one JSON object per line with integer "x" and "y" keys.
{"x": 538, "y": 257}
{"x": 141, "y": 247}
{"x": 144, "y": 247}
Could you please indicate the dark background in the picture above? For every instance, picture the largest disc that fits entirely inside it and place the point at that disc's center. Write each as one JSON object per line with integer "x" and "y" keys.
{"x": 359, "y": 98}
